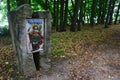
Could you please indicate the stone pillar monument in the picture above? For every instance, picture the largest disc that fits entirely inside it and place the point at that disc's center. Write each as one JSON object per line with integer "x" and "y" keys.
{"x": 18, "y": 21}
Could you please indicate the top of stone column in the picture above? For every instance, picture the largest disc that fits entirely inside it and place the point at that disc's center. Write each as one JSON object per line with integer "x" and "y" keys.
{"x": 45, "y": 14}
{"x": 24, "y": 11}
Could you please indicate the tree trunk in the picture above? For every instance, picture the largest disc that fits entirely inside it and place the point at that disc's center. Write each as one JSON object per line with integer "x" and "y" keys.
{"x": 54, "y": 16}
{"x": 57, "y": 15}
{"x": 81, "y": 11}
{"x": 108, "y": 14}
{"x": 99, "y": 11}
{"x": 61, "y": 15}
{"x": 65, "y": 15}
{"x": 72, "y": 3}
{"x": 8, "y": 5}
{"x": 75, "y": 16}
{"x": 70, "y": 15}
{"x": 93, "y": 12}
{"x": 88, "y": 3}
{"x": 104, "y": 12}
{"x": 78, "y": 26}
{"x": 84, "y": 12}
{"x": 119, "y": 19}
{"x": 116, "y": 17}
{"x": 46, "y": 4}
{"x": 80, "y": 15}
{"x": 111, "y": 11}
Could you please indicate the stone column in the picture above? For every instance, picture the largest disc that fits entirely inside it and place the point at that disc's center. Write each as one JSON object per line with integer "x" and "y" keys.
{"x": 17, "y": 22}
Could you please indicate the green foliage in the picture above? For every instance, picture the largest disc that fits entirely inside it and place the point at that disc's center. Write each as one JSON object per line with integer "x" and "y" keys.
{"x": 3, "y": 13}
{"x": 4, "y": 31}
{"x": 55, "y": 40}
{"x": 58, "y": 52}
{"x": 13, "y": 4}
{"x": 41, "y": 5}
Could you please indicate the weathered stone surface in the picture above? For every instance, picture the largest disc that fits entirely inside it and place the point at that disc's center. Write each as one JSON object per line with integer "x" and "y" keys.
{"x": 17, "y": 26}
{"x": 17, "y": 21}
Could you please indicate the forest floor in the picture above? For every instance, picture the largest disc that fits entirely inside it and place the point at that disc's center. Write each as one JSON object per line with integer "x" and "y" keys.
{"x": 91, "y": 54}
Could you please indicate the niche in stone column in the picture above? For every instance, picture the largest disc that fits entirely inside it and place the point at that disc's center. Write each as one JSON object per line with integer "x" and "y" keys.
{"x": 35, "y": 35}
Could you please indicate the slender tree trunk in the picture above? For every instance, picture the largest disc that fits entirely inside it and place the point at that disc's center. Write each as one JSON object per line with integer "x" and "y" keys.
{"x": 93, "y": 13}
{"x": 57, "y": 15}
{"x": 54, "y": 16}
{"x": 108, "y": 14}
{"x": 65, "y": 15}
{"x": 80, "y": 15}
{"x": 99, "y": 11}
{"x": 46, "y": 4}
{"x": 8, "y": 5}
{"x": 119, "y": 19}
{"x": 81, "y": 11}
{"x": 111, "y": 12}
{"x": 104, "y": 12}
{"x": 72, "y": 2}
{"x": 78, "y": 26}
{"x": 88, "y": 3}
{"x": 61, "y": 15}
{"x": 84, "y": 10}
{"x": 75, "y": 16}
{"x": 117, "y": 13}
{"x": 70, "y": 15}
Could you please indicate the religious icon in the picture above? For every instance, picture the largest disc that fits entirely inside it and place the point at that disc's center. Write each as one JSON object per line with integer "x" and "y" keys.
{"x": 35, "y": 32}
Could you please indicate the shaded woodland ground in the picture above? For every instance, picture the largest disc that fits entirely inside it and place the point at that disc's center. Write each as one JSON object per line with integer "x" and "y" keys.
{"x": 91, "y": 54}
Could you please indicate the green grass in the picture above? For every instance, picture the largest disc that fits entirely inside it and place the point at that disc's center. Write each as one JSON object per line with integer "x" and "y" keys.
{"x": 69, "y": 43}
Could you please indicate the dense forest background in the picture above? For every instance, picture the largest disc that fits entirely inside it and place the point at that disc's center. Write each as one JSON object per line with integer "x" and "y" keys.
{"x": 69, "y": 14}
{"x": 85, "y": 39}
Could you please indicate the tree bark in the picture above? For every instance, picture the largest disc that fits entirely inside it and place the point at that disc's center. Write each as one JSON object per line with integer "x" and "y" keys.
{"x": 104, "y": 12}
{"x": 93, "y": 13}
{"x": 57, "y": 16}
{"x": 75, "y": 16}
{"x": 84, "y": 12}
{"x": 8, "y": 5}
{"x": 80, "y": 15}
{"x": 72, "y": 3}
{"x": 99, "y": 11}
{"x": 81, "y": 10}
{"x": 61, "y": 15}
{"x": 54, "y": 16}
{"x": 108, "y": 14}
{"x": 88, "y": 3}
{"x": 116, "y": 17}
{"x": 46, "y": 4}
{"x": 65, "y": 15}
{"x": 111, "y": 11}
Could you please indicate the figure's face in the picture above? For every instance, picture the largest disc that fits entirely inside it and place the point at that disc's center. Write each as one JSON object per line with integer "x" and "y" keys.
{"x": 35, "y": 28}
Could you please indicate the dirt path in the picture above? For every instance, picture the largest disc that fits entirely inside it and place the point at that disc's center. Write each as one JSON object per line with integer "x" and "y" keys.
{"x": 98, "y": 65}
